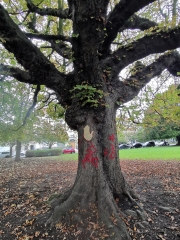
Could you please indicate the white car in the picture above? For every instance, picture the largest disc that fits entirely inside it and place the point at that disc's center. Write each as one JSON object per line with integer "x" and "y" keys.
{"x": 22, "y": 155}
{"x": 163, "y": 143}
{"x": 5, "y": 154}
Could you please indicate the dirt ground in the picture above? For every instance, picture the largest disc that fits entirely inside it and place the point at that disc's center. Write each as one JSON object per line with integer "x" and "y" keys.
{"x": 26, "y": 186}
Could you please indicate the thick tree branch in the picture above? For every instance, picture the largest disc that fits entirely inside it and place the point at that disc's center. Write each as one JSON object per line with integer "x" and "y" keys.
{"x": 158, "y": 41}
{"x": 48, "y": 11}
{"x": 117, "y": 18}
{"x": 41, "y": 70}
{"x": 48, "y": 37}
{"x": 62, "y": 49}
{"x": 136, "y": 22}
{"x": 16, "y": 73}
{"x": 131, "y": 87}
{"x": 27, "y": 54}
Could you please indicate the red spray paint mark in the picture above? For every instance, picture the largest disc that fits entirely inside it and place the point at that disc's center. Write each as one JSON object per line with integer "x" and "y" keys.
{"x": 111, "y": 138}
{"x": 90, "y": 156}
{"x": 110, "y": 153}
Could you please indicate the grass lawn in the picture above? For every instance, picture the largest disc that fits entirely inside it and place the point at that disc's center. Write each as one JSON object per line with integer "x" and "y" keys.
{"x": 151, "y": 153}
{"x": 67, "y": 157}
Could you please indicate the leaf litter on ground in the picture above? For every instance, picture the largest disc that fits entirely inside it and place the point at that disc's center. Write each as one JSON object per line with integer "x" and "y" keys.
{"x": 26, "y": 186}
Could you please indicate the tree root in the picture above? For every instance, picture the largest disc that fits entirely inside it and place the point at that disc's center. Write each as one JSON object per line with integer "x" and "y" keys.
{"x": 128, "y": 202}
{"x": 113, "y": 218}
{"x": 58, "y": 199}
{"x": 97, "y": 206}
{"x": 106, "y": 216}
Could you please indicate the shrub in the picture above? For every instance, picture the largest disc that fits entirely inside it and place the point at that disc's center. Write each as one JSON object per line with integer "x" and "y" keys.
{"x": 44, "y": 153}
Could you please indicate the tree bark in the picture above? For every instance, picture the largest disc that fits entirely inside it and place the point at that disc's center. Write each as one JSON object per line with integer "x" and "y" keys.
{"x": 18, "y": 150}
{"x": 99, "y": 181}
{"x": 11, "y": 146}
{"x": 50, "y": 145}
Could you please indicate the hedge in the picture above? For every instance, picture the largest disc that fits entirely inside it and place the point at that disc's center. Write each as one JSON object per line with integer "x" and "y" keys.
{"x": 44, "y": 152}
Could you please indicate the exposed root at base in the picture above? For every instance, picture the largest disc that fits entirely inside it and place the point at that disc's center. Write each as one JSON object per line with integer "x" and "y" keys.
{"x": 113, "y": 218}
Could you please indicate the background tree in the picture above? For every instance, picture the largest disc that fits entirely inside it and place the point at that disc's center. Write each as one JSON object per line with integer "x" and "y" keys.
{"x": 15, "y": 123}
{"x": 162, "y": 117}
{"x": 49, "y": 128}
{"x": 50, "y": 132}
{"x": 91, "y": 89}
{"x": 19, "y": 121}
{"x": 151, "y": 115}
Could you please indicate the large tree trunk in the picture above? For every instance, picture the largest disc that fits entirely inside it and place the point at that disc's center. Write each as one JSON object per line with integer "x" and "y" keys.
{"x": 99, "y": 180}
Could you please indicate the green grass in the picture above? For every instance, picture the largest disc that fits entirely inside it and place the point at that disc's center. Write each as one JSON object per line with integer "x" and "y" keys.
{"x": 151, "y": 153}
{"x": 66, "y": 157}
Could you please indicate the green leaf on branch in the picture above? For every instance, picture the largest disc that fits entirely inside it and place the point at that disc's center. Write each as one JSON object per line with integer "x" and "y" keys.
{"x": 87, "y": 94}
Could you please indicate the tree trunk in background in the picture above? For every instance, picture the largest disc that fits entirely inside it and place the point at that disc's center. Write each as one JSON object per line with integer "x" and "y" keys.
{"x": 178, "y": 140}
{"x": 11, "y": 146}
{"x": 18, "y": 150}
{"x": 50, "y": 145}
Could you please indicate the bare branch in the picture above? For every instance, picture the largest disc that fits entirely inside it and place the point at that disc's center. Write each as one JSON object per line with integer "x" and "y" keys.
{"x": 48, "y": 11}
{"x": 131, "y": 86}
{"x": 161, "y": 11}
{"x": 48, "y": 37}
{"x": 62, "y": 49}
{"x": 136, "y": 22}
{"x": 16, "y": 73}
{"x": 117, "y": 18}
{"x": 156, "y": 41}
{"x": 38, "y": 88}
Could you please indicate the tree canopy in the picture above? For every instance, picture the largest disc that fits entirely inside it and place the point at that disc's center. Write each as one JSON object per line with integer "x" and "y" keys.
{"x": 15, "y": 100}
{"x": 161, "y": 119}
{"x": 165, "y": 106}
{"x": 151, "y": 115}
{"x": 21, "y": 120}
{"x": 50, "y": 132}
{"x": 42, "y": 65}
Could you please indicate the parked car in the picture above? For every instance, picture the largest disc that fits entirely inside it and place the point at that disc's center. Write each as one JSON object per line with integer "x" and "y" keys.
{"x": 22, "y": 155}
{"x": 4, "y": 154}
{"x": 124, "y": 146}
{"x": 149, "y": 144}
{"x": 163, "y": 143}
{"x": 68, "y": 150}
{"x": 137, "y": 145}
